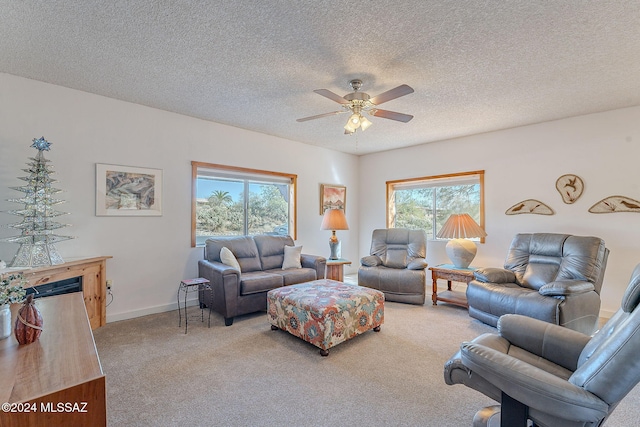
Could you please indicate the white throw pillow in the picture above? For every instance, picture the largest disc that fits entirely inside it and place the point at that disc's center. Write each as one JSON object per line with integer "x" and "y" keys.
{"x": 292, "y": 257}
{"x": 227, "y": 258}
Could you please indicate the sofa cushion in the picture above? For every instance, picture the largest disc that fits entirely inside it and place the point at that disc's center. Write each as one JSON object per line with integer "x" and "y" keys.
{"x": 292, "y": 257}
{"x": 259, "y": 281}
{"x": 271, "y": 250}
{"x": 243, "y": 247}
{"x": 540, "y": 258}
{"x": 293, "y": 276}
{"x": 227, "y": 258}
{"x": 393, "y": 280}
{"x": 507, "y": 298}
{"x": 396, "y": 256}
{"x": 535, "y": 258}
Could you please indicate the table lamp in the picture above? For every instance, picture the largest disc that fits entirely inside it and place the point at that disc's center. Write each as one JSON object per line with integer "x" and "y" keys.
{"x": 459, "y": 228}
{"x": 333, "y": 220}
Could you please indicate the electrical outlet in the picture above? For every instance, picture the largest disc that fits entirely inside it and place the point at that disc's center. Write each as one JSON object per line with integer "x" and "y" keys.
{"x": 109, "y": 284}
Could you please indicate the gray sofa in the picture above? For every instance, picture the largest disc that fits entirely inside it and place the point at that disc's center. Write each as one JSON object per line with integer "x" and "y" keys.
{"x": 234, "y": 292}
{"x": 396, "y": 265}
{"x": 552, "y": 277}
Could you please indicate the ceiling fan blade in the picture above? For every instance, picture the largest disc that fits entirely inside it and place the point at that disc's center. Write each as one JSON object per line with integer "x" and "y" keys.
{"x": 386, "y": 114}
{"x": 332, "y": 96}
{"x": 392, "y": 94}
{"x": 304, "y": 119}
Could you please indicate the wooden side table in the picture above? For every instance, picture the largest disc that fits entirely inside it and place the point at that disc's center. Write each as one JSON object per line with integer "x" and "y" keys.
{"x": 335, "y": 269}
{"x": 450, "y": 273}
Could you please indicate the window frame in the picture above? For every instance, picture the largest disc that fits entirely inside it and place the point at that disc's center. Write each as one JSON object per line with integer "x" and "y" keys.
{"x": 452, "y": 177}
{"x": 293, "y": 204}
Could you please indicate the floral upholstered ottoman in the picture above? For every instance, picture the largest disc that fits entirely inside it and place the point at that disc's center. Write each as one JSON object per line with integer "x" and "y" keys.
{"x": 325, "y": 312}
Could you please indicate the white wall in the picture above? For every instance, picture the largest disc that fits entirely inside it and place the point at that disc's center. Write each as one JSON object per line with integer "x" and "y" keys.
{"x": 150, "y": 254}
{"x": 522, "y": 163}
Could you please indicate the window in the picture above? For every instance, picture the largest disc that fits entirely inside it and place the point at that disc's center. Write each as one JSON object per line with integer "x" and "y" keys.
{"x": 426, "y": 203}
{"x": 233, "y": 201}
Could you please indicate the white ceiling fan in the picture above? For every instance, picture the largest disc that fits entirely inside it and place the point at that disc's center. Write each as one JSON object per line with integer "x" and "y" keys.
{"x": 358, "y": 102}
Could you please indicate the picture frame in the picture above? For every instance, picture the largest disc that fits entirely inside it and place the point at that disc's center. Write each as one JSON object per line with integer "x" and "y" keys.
{"x": 128, "y": 191}
{"x": 333, "y": 197}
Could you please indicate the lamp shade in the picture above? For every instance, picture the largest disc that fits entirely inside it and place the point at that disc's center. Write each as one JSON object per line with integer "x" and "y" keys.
{"x": 334, "y": 219}
{"x": 461, "y": 226}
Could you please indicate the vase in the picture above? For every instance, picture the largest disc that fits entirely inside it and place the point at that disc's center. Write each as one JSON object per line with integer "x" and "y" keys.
{"x": 5, "y": 321}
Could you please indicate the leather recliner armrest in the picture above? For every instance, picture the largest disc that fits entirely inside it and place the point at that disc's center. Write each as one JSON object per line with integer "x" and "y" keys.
{"x": 532, "y": 386}
{"x": 566, "y": 287}
{"x": 494, "y": 275}
{"x": 417, "y": 264}
{"x": 371, "y": 261}
{"x": 557, "y": 344}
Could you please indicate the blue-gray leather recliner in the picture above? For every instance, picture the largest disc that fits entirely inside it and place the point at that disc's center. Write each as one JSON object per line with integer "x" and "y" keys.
{"x": 552, "y": 375}
{"x": 551, "y": 277}
{"x": 396, "y": 265}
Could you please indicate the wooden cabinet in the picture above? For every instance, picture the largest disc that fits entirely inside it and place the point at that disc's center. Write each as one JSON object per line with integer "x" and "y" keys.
{"x": 56, "y": 380}
{"x": 94, "y": 283}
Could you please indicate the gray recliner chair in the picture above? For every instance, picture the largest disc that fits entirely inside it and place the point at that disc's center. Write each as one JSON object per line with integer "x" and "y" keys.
{"x": 396, "y": 265}
{"x": 551, "y": 277}
{"x": 552, "y": 375}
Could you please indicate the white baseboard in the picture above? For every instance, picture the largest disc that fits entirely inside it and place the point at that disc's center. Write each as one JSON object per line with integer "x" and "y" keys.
{"x": 148, "y": 310}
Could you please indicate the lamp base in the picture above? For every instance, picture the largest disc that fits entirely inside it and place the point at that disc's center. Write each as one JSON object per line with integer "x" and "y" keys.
{"x": 461, "y": 252}
{"x": 335, "y": 249}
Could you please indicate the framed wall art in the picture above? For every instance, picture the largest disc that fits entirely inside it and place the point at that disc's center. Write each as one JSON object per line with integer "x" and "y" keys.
{"x": 128, "y": 191}
{"x": 332, "y": 197}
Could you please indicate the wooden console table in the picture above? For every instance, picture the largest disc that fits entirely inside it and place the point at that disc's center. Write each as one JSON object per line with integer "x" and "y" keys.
{"x": 56, "y": 380}
{"x": 450, "y": 273}
{"x": 94, "y": 283}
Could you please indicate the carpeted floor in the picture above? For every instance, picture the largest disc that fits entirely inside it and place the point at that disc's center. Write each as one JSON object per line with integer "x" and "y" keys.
{"x": 248, "y": 375}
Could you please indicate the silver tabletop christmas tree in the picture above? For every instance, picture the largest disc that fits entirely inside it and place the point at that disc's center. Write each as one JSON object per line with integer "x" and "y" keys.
{"x": 37, "y": 241}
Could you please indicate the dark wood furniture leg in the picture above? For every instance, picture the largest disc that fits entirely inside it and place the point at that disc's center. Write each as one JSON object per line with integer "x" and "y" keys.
{"x": 434, "y": 294}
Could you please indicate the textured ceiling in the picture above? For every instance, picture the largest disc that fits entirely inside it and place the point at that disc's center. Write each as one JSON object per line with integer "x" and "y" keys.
{"x": 475, "y": 66}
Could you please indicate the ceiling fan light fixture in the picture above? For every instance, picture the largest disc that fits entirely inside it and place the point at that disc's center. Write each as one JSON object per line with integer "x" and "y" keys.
{"x": 358, "y": 102}
{"x": 353, "y": 123}
{"x": 350, "y": 127}
{"x": 364, "y": 123}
